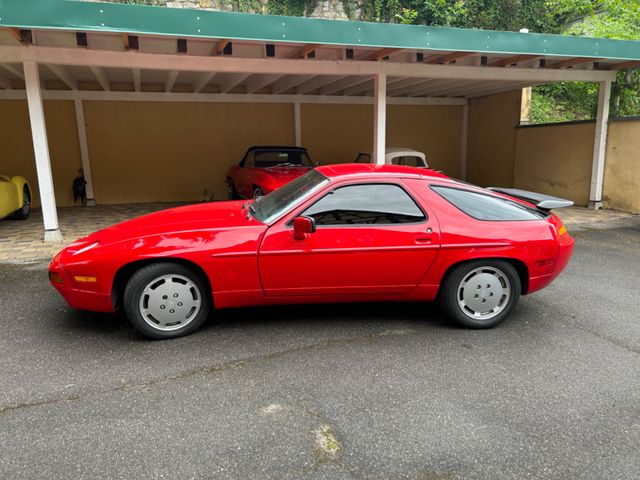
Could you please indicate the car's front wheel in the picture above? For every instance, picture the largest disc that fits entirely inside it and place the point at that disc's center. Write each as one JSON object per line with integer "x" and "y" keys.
{"x": 480, "y": 293}
{"x": 23, "y": 213}
{"x": 167, "y": 300}
{"x": 257, "y": 193}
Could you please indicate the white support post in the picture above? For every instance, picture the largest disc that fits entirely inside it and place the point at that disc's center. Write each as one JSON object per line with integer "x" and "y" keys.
{"x": 84, "y": 151}
{"x": 464, "y": 134}
{"x": 41, "y": 151}
{"x": 379, "y": 118}
{"x": 297, "y": 121}
{"x": 600, "y": 146}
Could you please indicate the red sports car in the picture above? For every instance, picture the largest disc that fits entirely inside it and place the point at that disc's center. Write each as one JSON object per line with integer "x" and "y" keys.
{"x": 265, "y": 169}
{"x": 343, "y": 233}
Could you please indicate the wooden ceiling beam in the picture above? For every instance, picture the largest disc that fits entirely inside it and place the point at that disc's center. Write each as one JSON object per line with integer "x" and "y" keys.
{"x": 101, "y": 77}
{"x": 503, "y": 62}
{"x": 221, "y": 45}
{"x": 385, "y": 52}
{"x": 623, "y": 65}
{"x": 448, "y": 58}
{"x": 305, "y": 50}
{"x": 170, "y": 81}
{"x": 14, "y": 32}
{"x": 13, "y": 71}
{"x": 202, "y": 81}
{"x": 62, "y": 73}
{"x": 570, "y": 62}
{"x": 137, "y": 79}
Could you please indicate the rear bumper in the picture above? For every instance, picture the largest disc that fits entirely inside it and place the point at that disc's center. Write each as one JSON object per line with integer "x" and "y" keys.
{"x": 565, "y": 250}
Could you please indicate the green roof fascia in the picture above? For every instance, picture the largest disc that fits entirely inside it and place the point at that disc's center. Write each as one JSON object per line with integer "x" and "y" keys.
{"x": 137, "y": 19}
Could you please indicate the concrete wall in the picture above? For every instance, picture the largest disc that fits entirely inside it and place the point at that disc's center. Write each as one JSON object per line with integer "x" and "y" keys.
{"x": 555, "y": 159}
{"x": 166, "y": 151}
{"x": 16, "y": 154}
{"x": 622, "y": 170}
{"x": 337, "y": 133}
{"x": 434, "y": 130}
{"x": 144, "y": 151}
{"x": 492, "y": 139}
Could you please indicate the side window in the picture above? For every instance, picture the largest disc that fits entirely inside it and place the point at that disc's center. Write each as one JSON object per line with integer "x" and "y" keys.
{"x": 487, "y": 207}
{"x": 371, "y": 204}
{"x": 363, "y": 158}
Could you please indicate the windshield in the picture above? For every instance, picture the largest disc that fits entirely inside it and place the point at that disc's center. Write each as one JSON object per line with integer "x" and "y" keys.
{"x": 288, "y": 158}
{"x": 268, "y": 208}
{"x": 409, "y": 160}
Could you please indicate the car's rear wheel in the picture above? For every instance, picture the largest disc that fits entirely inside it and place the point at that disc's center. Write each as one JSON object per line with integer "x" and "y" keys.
{"x": 167, "y": 300}
{"x": 23, "y": 213}
{"x": 231, "y": 190}
{"x": 257, "y": 193}
{"x": 480, "y": 293}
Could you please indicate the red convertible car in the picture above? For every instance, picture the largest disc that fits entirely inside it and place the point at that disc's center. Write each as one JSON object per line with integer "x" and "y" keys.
{"x": 342, "y": 233}
{"x": 264, "y": 169}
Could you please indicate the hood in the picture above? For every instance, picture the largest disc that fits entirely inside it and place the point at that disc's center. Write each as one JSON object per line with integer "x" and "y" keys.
{"x": 202, "y": 216}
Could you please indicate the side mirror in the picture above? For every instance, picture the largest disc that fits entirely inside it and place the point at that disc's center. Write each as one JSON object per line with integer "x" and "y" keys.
{"x": 303, "y": 227}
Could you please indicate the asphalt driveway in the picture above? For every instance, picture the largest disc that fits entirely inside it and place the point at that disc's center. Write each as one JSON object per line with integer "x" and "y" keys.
{"x": 369, "y": 391}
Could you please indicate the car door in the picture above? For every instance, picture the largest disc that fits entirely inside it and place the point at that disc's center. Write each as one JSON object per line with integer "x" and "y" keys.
{"x": 370, "y": 238}
{"x": 8, "y": 197}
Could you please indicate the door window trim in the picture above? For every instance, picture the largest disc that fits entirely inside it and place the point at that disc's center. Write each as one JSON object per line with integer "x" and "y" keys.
{"x": 289, "y": 224}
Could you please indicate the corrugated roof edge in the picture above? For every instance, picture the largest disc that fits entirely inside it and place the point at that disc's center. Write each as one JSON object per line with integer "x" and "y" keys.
{"x": 137, "y": 19}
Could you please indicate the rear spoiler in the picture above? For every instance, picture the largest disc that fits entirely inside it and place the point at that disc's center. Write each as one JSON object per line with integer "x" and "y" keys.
{"x": 540, "y": 200}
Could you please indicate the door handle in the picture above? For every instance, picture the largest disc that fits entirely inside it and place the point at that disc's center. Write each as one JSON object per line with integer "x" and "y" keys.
{"x": 424, "y": 237}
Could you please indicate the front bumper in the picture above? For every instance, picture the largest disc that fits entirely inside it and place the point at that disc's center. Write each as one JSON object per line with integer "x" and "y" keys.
{"x": 76, "y": 296}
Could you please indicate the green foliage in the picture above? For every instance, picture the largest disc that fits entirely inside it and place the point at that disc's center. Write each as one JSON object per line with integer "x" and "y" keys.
{"x": 294, "y": 8}
{"x": 160, "y": 3}
{"x": 406, "y": 16}
{"x": 564, "y": 102}
{"x": 618, "y": 19}
{"x": 249, "y": 6}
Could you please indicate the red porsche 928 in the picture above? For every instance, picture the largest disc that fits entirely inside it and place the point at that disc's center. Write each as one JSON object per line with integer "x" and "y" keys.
{"x": 342, "y": 233}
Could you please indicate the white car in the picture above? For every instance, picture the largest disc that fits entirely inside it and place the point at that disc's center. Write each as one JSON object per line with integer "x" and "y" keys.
{"x": 397, "y": 156}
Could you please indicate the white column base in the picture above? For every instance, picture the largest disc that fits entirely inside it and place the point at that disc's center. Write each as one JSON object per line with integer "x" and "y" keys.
{"x": 53, "y": 236}
{"x": 91, "y": 202}
{"x": 595, "y": 205}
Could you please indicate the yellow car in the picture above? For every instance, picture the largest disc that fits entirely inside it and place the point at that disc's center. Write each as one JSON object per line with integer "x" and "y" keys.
{"x": 15, "y": 197}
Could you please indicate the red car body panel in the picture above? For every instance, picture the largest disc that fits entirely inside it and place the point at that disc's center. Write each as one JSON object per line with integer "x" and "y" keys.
{"x": 250, "y": 263}
{"x": 246, "y": 179}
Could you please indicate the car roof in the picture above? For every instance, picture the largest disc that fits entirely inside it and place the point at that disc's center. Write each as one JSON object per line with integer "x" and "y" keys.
{"x": 405, "y": 150}
{"x": 364, "y": 169}
{"x": 273, "y": 147}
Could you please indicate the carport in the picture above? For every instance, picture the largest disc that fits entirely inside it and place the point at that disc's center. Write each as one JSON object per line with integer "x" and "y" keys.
{"x": 85, "y": 51}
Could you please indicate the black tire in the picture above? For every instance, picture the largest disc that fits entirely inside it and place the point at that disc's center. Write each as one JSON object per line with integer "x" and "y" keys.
{"x": 23, "y": 213}
{"x": 231, "y": 190}
{"x": 453, "y": 292}
{"x": 257, "y": 193}
{"x": 135, "y": 290}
